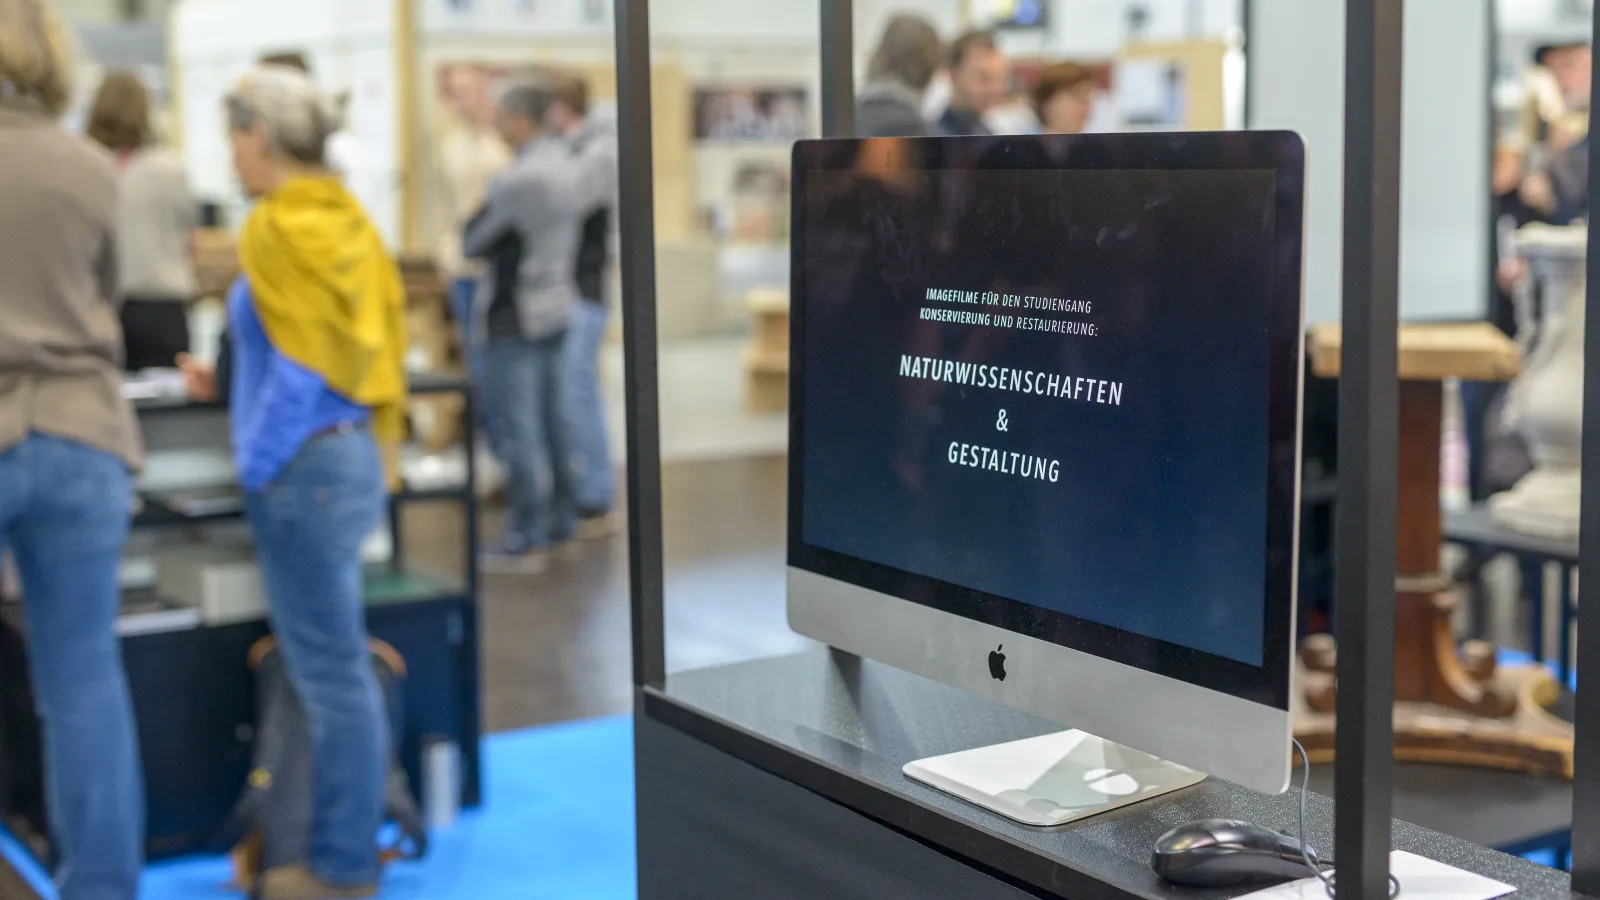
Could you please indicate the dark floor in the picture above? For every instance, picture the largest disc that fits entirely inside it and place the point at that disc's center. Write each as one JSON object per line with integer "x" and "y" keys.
{"x": 556, "y": 646}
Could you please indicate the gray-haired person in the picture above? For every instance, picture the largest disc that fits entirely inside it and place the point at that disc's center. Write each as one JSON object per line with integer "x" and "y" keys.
{"x": 527, "y": 234}
{"x": 312, "y": 372}
{"x": 907, "y": 57}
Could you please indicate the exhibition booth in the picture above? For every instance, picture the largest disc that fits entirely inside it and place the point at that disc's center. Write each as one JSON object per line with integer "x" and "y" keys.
{"x": 966, "y": 500}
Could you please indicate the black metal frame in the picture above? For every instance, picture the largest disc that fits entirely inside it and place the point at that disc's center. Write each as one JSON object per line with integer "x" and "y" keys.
{"x": 837, "y": 45}
{"x": 1491, "y": 133}
{"x": 1364, "y": 574}
{"x": 636, "y": 209}
{"x": 1247, "y": 9}
{"x": 1586, "y": 752}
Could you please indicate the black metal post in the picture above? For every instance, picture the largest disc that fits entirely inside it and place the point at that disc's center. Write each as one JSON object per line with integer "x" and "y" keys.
{"x": 636, "y": 215}
{"x": 1247, "y": 18}
{"x": 1586, "y": 750}
{"x": 1364, "y": 578}
{"x": 397, "y": 538}
{"x": 838, "y": 50}
{"x": 469, "y": 439}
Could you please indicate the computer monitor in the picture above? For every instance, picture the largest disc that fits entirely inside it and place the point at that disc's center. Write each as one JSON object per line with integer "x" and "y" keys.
{"x": 1044, "y": 445}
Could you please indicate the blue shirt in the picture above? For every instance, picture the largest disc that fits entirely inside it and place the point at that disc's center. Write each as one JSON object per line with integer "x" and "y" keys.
{"x": 275, "y": 404}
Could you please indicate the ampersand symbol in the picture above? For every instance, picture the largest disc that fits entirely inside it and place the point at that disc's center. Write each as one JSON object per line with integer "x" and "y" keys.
{"x": 1002, "y": 425}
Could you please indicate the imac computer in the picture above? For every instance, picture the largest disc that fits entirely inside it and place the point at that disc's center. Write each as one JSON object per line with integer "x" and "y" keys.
{"x": 1044, "y": 446}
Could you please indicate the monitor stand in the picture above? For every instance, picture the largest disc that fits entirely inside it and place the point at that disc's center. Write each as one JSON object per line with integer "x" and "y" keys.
{"x": 1053, "y": 779}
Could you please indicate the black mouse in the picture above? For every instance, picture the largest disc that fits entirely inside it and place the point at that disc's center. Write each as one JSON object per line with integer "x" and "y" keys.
{"x": 1220, "y": 852}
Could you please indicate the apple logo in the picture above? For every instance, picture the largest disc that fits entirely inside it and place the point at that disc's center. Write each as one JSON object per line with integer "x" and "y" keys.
{"x": 997, "y": 663}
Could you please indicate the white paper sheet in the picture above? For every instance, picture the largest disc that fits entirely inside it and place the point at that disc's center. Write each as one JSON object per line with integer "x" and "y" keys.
{"x": 1420, "y": 879}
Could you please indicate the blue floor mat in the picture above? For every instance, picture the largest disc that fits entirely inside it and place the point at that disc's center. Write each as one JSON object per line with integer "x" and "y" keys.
{"x": 557, "y": 823}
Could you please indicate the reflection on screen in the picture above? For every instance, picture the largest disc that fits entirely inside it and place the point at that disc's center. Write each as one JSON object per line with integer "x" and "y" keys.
{"x": 1050, "y": 385}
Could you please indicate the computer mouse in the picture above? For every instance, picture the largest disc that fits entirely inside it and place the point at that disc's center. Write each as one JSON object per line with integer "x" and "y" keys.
{"x": 1220, "y": 852}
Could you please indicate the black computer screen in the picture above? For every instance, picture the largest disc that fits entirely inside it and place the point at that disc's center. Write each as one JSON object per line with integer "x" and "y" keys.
{"x": 1049, "y": 385}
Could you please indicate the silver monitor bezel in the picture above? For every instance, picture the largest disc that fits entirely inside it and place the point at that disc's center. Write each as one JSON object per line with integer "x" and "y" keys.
{"x": 1181, "y": 704}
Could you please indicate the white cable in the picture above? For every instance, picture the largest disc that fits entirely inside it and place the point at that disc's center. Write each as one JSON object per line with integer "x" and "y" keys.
{"x": 1315, "y": 865}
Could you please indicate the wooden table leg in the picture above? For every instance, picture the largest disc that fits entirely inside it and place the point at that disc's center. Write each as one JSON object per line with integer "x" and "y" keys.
{"x": 1451, "y": 705}
{"x": 1428, "y": 666}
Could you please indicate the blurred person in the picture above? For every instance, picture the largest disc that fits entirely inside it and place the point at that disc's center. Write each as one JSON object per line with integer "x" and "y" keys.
{"x": 69, "y": 445}
{"x": 157, "y": 214}
{"x": 1561, "y": 188}
{"x": 979, "y": 81}
{"x": 313, "y": 377}
{"x": 594, "y": 147}
{"x": 1571, "y": 65}
{"x": 527, "y": 234}
{"x": 1512, "y": 190}
{"x": 343, "y": 152}
{"x": 470, "y": 154}
{"x": 1063, "y": 98}
{"x": 907, "y": 57}
{"x": 1566, "y": 196}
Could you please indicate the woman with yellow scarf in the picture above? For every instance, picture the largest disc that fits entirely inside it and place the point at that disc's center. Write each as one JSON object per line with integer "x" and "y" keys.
{"x": 316, "y": 391}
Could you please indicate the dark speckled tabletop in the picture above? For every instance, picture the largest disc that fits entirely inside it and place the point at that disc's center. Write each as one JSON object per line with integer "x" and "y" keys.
{"x": 865, "y": 721}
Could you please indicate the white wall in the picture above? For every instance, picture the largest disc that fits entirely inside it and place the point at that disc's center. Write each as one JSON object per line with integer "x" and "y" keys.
{"x": 350, "y": 45}
{"x": 728, "y": 24}
{"x": 1532, "y": 16}
{"x": 1095, "y": 29}
{"x": 508, "y": 18}
{"x": 1297, "y": 82}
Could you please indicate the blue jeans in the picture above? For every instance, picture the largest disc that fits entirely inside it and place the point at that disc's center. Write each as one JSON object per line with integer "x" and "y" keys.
{"x": 523, "y": 386}
{"x": 462, "y": 290}
{"x": 309, "y": 524}
{"x": 595, "y": 485}
{"x": 64, "y": 511}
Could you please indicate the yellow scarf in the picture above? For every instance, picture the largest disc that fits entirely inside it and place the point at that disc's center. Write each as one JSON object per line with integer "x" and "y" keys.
{"x": 330, "y": 297}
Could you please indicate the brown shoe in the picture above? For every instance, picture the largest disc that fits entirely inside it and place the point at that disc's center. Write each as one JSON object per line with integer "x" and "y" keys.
{"x": 299, "y": 883}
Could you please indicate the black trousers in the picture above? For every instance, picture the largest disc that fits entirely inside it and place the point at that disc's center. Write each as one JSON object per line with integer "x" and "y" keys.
{"x": 154, "y": 332}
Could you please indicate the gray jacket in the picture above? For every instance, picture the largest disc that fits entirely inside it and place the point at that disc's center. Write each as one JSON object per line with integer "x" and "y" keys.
{"x": 534, "y": 206}
{"x": 890, "y": 109}
{"x": 594, "y": 148}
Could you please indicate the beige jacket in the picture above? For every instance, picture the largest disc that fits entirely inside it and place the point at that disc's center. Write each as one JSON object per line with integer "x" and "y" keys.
{"x": 468, "y": 158}
{"x": 61, "y": 338}
{"x": 157, "y": 216}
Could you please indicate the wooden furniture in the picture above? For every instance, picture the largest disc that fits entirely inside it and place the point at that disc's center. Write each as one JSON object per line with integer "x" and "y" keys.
{"x": 767, "y": 359}
{"x": 1451, "y": 706}
{"x": 1202, "y": 63}
{"x": 216, "y": 261}
{"x": 435, "y": 349}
